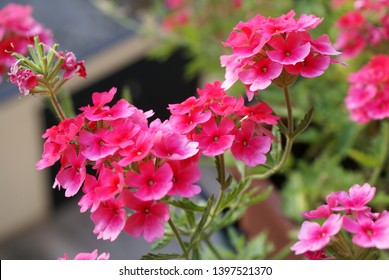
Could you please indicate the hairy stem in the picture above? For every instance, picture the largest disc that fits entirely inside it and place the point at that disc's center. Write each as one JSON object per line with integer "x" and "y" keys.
{"x": 179, "y": 240}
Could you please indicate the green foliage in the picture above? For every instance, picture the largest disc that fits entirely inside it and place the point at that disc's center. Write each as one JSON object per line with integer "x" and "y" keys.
{"x": 258, "y": 248}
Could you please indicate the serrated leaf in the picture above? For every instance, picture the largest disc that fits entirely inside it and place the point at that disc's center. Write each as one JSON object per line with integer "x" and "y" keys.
{"x": 151, "y": 256}
{"x": 162, "y": 242}
{"x": 186, "y": 205}
{"x": 234, "y": 193}
{"x": 304, "y": 123}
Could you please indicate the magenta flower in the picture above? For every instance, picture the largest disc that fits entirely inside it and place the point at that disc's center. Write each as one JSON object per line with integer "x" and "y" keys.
{"x": 109, "y": 219}
{"x": 72, "y": 66}
{"x": 170, "y": 144}
{"x": 249, "y": 148}
{"x": 260, "y": 74}
{"x": 368, "y": 95}
{"x": 94, "y": 145}
{"x": 185, "y": 174}
{"x": 294, "y": 48}
{"x": 17, "y": 30}
{"x": 89, "y": 199}
{"x": 152, "y": 182}
{"x": 88, "y": 256}
{"x": 72, "y": 173}
{"x": 323, "y": 211}
{"x": 148, "y": 219}
{"x": 25, "y": 79}
{"x": 144, "y": 141}
{"x": 314, "y": 237}
{"x": 215, "y": 139}
{"x": 356, "y": 199}
{"x": 263, "y": 47}
{"x": 369, "y": 233}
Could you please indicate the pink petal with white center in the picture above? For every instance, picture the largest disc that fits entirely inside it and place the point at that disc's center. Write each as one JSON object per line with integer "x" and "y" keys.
{"x": 260, "y": 74}
{"x": 289, "y": 51}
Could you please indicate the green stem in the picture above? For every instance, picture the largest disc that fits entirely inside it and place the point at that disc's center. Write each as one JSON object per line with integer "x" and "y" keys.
{"x": 290, "y": 111}
{"x": 179, "y": 240}
{"x": 213, "y": 248}
{"x": 57, "y": 106}
{"x": 289, "y": 141}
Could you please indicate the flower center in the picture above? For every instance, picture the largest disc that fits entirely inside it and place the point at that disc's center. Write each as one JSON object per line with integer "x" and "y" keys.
{"x": 288, "y": 54}
{"x": 147, "y": 211}
{"x": 264, "y": 69}
{"x": 244, "y": 143}
{"x": 101, "y": 143}
{"x": 138, "y": 153}
{"x": 215, "y": 139}
{"x": 150, "y": 182}
{"x": 174, "y": 180}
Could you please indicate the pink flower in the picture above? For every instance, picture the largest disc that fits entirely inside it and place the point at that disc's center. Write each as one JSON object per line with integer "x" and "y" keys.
{"x": 109, "y": 219}
{"x": 260, "y": 75}
{"x": 17, "y": 30}
{"x": 215, "y": 139}
{"x": 294, "y": 48}
{"x": 88, "y": 256}
{"x": 356, "y": 199}
{"x": 171, "y": 145}
{"x": 369, "y": 233}
{"x": 110, "y": 182}
{"x": 323, "y": 211}
{"x": 58, "y": 138}
{"x": 94, "y": 145}
{"x": 263, "y": 47}
{"x": 152, "y": 182}
{"x": 72, "y": 66}
{"x": 185, "y": 175}
{"x": 25, "y": 79}
{"x": 89, "y": 199}
{"x": 148, "y": 219}
{"x": 368, "y": 95}
{"x": 72, "y": 173}
{"x": 314, "y": 237}
{"x": 313, "y": 65}
{"x": 143, "y": 142}
{"x": 249, "y": 148}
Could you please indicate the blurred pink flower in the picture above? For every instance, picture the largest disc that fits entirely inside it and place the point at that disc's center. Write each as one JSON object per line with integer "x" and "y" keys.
{"x": 368, "y": 95}
{"x": 314, "y": 237}
{"x": 369, "y": 233}
{"x": 88, "y": 256}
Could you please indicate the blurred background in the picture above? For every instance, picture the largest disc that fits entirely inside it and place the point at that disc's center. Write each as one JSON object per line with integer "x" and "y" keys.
{"x": 161, "y": 51}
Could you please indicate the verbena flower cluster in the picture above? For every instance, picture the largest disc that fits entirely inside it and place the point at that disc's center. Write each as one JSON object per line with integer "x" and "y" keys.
{"x": 264, "y": 48}
{"x": 17, "y": 30}
{"x": 136, "y": 164}
{"x": 368, "y": 95}
{"x": 366, "y": 25}
{"x": 348, "y": 211}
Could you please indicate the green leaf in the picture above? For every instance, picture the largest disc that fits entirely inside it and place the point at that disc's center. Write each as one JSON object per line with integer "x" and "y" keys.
{"x": 200, "y": 228}
{"x": 363, "y": 158}
{"x": 304, "y": 123}
{"x": 283, "y": 129}
{"x": 187, "y": 205}
{"x": 152, "y": 256}
{"x": 162, "y": 242}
